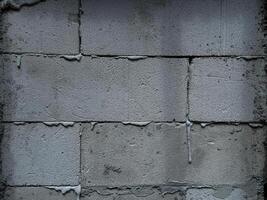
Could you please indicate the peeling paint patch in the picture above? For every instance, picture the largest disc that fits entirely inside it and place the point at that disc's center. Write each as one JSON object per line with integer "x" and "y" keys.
{"x": 66, "y": 189}
{"x": 136, "y": 123}
{"x": 65, "y": 124}
{"x": 72, "y": 57}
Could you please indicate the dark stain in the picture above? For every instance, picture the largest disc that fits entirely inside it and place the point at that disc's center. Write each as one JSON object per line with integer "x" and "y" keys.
{"x": 111, "y": 168}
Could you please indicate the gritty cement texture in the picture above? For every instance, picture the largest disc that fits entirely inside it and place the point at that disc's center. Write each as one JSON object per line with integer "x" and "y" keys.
{"x": 132, "y": 193}
{"x": 49, "y": 27}
{"x": 34, "y": 193}
{"x": 169, "y": 27}
{"x": 115, "y": 154}
{"x": 36, "y": 154}
{"x": 132, "y": 100}
{"x": 227, "y": 194}
{"x": 96, "y": 89}
{"x": 228, "y": 89}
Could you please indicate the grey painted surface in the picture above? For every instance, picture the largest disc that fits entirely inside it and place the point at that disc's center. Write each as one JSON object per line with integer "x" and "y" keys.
{"x": 36, "y": 154}
{"x": 115, "y": 154}
{"x": 34, "y": 193}
{"x": 113, "y": 159}
{"x": 97, "y": 89}
{"x": 210, "y": 194}
{"x": 123, "y": 194}
{"x": 49, "y": 27}
{"x": 227, "y": 89}
{"x": 172, "y": 27}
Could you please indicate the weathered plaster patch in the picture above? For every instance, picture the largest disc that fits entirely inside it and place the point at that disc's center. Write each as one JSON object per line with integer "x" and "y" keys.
{"x": 255, "y": 125}
{"x": 132, "y": 58}
{"x": 65, "y": 124}
{"x": 19, "y": 123}
{"x": 136, "y": 123}
{"x": 66, "y": 189}
{"x": 203, "y": 125}
{"x": 72, "y": 57}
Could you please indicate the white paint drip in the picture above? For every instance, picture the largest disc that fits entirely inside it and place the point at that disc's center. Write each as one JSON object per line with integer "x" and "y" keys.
{"x": 136, "y": 123}
{"x": 65, "y": 189}
{"x": 19, "y": 123}
{"x": 203, "y": 125}
{"x": 255, "y": 125}
{"x": 132, "y": 58}
{"x": 188, "y": 134}
{"x": 93, "y": 125}
{"x": 65, "y": 124}
{"x": 19, "y": 61}
{"x": 72, "y": 57}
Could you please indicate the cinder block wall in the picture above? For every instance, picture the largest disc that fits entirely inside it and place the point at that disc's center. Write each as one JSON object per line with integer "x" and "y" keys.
{"x": 132, "y": 100}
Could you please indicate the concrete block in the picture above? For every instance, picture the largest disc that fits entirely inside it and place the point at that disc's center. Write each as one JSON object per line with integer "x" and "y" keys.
{"x": 97, "y": 89}
{"x": 226, "y": 193}
{"x": 36, "y": 193}
{"x": 172, "y": 27}
{"x": 131, "y": 193}
{"x": 37, "y": 154}
{"x": 226, "y": 154}
{"x": 47, "y": 27}
{"x": 228, "y": 89}
{"x": 154, "y": 196}
{"x": 116, "y": 154}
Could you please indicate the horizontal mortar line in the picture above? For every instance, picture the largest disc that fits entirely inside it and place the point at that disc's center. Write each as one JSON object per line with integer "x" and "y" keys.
{"x": 37, "y": 186}
{"x": 124, "y": 122}
{"x": 91, "y": 121}
{"x": 229, "y": 122}
{"x": 112, "y": 187}
{"x": 115, "y": 55}
{"x": 125, "y": 187}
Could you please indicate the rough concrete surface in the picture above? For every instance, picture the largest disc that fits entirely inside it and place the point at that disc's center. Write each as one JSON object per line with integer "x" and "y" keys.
{"x": 36, "y": 154}
{"x": 48, "y": 27}
{"x": 169, "y": 27}
{"x": 133, "y": 100}
{"x": 34, "y": 193}
{"x": 228, "y": 89}
{"x": 96, "y": 89}
{"x": 116, "y": 155}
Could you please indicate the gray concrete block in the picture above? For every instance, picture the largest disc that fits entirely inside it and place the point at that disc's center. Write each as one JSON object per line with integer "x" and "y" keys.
{"x": 36, "y": 193}
{"x": 97, "y": 89}
{"x": 226, "y": 154}
{"x": 224, "y": 193}
{"x": 132, "y": 193}
{"x": 172, "y": 27}
{"x": 36, "y": 154}
{"x": 154, "y": 196}
{"x": 116, "y": 154}
{"x": 47, "y": 27}
{"x": 228, "y": 89}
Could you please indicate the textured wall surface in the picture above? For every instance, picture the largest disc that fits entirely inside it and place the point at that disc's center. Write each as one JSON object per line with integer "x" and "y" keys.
{"x": 132, "y": 100}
